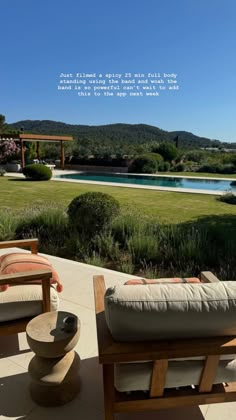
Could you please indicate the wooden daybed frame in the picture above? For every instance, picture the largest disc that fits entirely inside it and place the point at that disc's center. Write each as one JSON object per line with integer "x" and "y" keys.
{"x": 112, "y": 352}
{"x": 16, "y": 326}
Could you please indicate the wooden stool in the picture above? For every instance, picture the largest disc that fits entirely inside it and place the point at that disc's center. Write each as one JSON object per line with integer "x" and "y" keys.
{"x": 54, "y": 369}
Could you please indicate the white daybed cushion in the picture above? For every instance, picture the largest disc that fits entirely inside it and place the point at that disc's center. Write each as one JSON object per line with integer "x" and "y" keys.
{"x": 167, "y": 311}
{"x": 137, "y": 376}
{"x": 24, "y": 301}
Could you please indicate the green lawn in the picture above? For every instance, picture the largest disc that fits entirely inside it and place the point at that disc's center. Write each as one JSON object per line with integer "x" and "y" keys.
{"x": 171, "y": 207}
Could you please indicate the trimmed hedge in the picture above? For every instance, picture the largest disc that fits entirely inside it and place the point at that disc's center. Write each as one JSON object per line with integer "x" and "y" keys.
{"x": 92, "y": 212}
{"x": 37, "y": 172}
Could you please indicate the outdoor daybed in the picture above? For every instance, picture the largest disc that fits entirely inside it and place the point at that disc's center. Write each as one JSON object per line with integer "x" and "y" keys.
{"x": 26, "y": 288}
{"x": 167, "y": 345}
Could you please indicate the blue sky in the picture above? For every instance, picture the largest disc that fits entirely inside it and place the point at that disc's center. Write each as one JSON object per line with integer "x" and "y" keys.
{"x": 194, "y": 38}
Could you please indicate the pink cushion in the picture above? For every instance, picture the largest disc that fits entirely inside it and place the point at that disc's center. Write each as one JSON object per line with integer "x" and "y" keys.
{"x": 18, "y": 262}
{"x": 161, "y": 281}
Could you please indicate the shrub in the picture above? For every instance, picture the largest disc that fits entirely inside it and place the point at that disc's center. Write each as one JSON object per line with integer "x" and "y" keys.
{"x": 216, "y": 167}
{"x": 195, "y": 155}
{"x": 92, "y": 212}
{"x": 135, "y": 244}
{"x": 228, "y": 168}
{"x": 150, "y": 271}
{"x": 95, "y": 259}
{"x": 143, "y": 246}
{"x": 158, "y": 158}
{"x": 164, "y": 167}
{"x": 50, "y": 227}
{"x": 125, "y": 226}
{"x": 125, "y": 264}
{"x": 2, "y": 172}
{"x": 106, "y": 246}
{"x": 228, "y": 198}
{"x": 191, "y": 166}
{"x": 37, "y": 172}
{"x": 210, "y": 168}
{"x": 144, "y": 164}
{"x": 229, "y": 158}
{"x": 180, "y": 167}
{"x": 8, "y": 149}
{"x": 167, "y": 150}
{"x": 8, "y": 224}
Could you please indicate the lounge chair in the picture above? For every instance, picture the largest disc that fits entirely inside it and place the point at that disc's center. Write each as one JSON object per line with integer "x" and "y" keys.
{"x": 30, "y": 292}
{"x": 154, "y": 360}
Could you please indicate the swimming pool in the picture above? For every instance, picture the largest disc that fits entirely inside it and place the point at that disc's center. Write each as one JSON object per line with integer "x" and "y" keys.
{"x": 158, "y": 181}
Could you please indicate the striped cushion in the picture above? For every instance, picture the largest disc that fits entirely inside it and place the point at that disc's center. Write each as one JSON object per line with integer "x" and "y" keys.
{"x": 18, "y": 262}
{"x": 161, "y": 281}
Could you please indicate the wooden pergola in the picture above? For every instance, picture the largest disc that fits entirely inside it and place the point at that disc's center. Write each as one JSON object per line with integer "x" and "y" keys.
{"x": 21, "y": 137}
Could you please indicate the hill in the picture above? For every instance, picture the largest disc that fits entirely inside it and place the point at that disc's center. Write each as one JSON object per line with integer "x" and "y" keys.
{"x": 117, "y": 134}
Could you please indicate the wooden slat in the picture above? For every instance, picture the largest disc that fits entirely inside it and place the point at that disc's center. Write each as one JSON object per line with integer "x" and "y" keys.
{"x": 208, "y": 373}
{"x": 25, "y": 277}
{"x": 21, "y": 243}
{"x": 99, "y": 292}
{"x": 22, "y": 153}
{"x": 46, "y": 295}
{"x": 208, "y": 277}
{"x": 13, "y": 327}
{"x": 104, "y": 338}
{"x": 43, "y": 137}
{"x": 117, "y": 352}
{"x": 109, "y": 391}
{"x": 173, "y": 399}
{"x": 158, "y": 380}
{"x": 9, "y": 136}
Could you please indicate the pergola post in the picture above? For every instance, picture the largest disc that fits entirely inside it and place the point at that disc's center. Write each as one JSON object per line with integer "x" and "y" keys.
{"x": 62, "y": 155}
{"x": 37, "y": 150}
{"x": 22, "y": 153}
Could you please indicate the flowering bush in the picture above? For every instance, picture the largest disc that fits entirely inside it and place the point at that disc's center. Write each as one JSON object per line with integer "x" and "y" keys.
{"x": 8, "y": 148}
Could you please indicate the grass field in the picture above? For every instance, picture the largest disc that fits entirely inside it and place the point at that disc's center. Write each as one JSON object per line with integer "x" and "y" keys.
{"x": 199, "y": 174}
{"x": 170, "y": 207}
{"x": 157, "y": 234}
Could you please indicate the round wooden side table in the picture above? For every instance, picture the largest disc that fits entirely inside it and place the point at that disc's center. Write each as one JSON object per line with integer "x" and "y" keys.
{"x": 54, "y": 370}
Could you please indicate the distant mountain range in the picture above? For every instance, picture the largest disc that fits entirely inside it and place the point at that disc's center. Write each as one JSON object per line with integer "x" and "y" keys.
{"x": 132, "y": 133}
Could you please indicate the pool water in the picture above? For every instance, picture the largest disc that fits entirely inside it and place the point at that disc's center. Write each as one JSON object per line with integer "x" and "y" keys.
{"x": 160, "y": 181}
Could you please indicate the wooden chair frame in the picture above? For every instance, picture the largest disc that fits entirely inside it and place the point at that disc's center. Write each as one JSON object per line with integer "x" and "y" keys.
{"x": 16, "y": 326}
{"x": 112, "y": 352}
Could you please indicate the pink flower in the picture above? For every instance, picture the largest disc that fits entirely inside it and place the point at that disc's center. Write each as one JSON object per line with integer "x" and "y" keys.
{"x": 8, "y": 148}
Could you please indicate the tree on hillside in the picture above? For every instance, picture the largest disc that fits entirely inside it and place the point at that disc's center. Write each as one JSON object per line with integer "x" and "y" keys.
{"x": 3, "y": 124}
{"x": 167, "y": 150}
{"x": 195, "y": 155}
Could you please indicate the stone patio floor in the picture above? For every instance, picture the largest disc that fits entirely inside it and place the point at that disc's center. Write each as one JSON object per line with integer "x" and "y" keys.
{"x": 77, "y": 297}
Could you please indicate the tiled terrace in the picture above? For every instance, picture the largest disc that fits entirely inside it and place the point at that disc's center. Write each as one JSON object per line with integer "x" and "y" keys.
{"x": 15, "y": 402}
